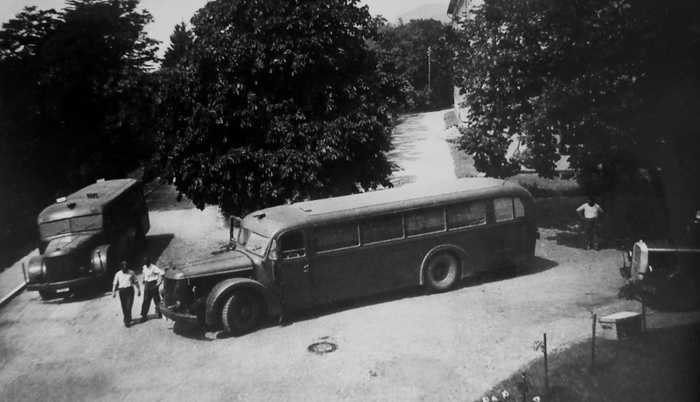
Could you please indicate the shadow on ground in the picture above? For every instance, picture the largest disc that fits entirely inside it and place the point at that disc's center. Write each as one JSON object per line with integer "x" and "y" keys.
{"x": 578, "y": 240}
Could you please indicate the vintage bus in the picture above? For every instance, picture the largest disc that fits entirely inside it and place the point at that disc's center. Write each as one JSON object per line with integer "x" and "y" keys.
{"x": 84, "y": 235}
{"x": 304, "y": 254}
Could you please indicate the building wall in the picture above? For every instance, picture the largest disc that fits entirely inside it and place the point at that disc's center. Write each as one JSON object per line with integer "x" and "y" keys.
{"x": 457, "y": 10}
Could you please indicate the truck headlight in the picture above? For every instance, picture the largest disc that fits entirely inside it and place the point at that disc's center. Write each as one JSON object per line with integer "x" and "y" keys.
{"x": 35, "y": 269}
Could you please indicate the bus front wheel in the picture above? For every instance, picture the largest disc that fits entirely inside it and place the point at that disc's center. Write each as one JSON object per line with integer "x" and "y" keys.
{"x": 442, "y": 272}
{"x": 241, "y": 313}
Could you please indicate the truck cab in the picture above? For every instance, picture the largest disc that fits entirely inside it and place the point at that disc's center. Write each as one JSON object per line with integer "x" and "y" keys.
{"x": 84, "y": 235}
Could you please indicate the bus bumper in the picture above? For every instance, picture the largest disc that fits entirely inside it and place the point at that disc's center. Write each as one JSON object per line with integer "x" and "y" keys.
{"x": 171, "y": 313}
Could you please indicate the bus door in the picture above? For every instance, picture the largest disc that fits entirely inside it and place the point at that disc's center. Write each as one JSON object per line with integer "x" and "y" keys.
{"x": 292, "y": 267}
{"x": 336, "y": 274}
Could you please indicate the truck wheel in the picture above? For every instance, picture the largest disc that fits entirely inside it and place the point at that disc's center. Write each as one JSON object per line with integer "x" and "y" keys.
{"x": 47, "y": 294}
{"x": 442, "y": 272}
{"x": 241, "y": 313}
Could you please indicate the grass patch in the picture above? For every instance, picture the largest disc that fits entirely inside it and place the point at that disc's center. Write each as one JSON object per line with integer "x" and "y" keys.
{"x": 463, "y": 163}
{"x": 659, "y": 365}
{"x": 558, "y": 212}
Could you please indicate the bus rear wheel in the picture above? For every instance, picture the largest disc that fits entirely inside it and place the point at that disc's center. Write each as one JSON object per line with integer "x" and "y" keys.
{"x": 442, "y": 271}
{"x": 47, "y": 294}
{"x": 241, "y": 313}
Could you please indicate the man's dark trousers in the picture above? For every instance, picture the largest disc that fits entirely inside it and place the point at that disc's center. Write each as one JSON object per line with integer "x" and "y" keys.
{"x": 150, "y": 292}
{"x": 590, "y": 226}
{"x": 126, "y": 297}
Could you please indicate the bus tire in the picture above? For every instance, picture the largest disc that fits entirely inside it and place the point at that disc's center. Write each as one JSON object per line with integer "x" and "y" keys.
{"x": 442, "y": 272}
{"x": 241, "y": 312}
{"x": 47, "y": 294}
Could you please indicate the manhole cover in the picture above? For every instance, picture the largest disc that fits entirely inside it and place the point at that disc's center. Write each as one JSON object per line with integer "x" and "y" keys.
{"x": 321, "y": 348}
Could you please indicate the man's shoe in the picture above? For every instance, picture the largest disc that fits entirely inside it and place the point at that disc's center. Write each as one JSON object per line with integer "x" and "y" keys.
{"x": 127, "y": 324}
{"x": 160, "y": 315}
{"x": 144, "y": 318}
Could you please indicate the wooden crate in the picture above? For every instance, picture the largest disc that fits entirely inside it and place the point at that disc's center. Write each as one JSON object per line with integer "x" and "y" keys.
{"x": 621, "y": 325}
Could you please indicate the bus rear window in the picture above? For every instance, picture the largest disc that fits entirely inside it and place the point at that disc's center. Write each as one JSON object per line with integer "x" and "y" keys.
{"x": 337, "y": 236}
{"x": 519, "y": 207}
{"x": 503, "y": 209}
{"x": 507, "y": 209}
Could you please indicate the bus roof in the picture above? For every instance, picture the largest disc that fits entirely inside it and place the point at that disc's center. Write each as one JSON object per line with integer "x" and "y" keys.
{"x": 86, "y": 201}
{"x": 270, "y": 220}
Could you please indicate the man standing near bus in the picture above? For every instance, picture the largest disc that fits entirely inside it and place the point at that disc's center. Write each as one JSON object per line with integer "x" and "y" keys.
{"x": 590, "y": 212}
{"x": 124, "y": 280}
{"x": 152, "y": 278}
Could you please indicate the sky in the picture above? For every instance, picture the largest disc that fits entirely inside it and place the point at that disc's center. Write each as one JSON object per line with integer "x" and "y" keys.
{"x": 168, "y": 13}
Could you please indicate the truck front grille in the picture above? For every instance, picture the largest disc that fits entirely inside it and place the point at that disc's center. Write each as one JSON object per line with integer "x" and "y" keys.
{"x": 176, "y": 290}
{"x": 61, "y": 268}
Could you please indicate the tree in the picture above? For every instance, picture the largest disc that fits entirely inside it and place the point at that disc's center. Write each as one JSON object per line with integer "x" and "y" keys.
{"x": 409, "y": 45}
{"x": 281, "y": 102}
{"x": 74, "y": 104}
{"x": 180, "y": 44}
{"x": 613, "y": 84}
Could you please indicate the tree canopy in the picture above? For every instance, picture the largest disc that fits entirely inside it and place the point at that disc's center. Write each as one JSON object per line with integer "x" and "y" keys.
{"x": 74, "y": 102}
{"x": 179, "y": 49}
{"x": 415, "y": 46}
{"x": 73, "y": 93}
{"x": 279, "y": 102}
{"x": 613, "y": 84}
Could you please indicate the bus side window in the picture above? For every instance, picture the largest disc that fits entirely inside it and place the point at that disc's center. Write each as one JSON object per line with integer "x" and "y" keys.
{"x": 503, "y": 209}
{"x": 462, "y": 215}
{"x": 426, "y": 221}
{"x": 292, "y": 245}
{"x": 335, "y": 237}
{"x": 519, "y": 207}
{"x": 381, "y": 229}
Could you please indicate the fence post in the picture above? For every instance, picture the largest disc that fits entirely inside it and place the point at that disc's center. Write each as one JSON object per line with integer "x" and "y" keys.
{"x": 546, "y": 370}
{"x": 644, "y": 315}
{"x": 593, "y": 343}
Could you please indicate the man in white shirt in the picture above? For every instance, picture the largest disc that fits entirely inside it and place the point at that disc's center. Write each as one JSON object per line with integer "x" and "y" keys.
{"x": 152, "y": 278}
{"x": 124, "y": 280}
{"x": 590, "y": 212}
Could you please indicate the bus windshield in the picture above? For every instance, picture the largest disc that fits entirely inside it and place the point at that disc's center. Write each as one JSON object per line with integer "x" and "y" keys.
{"x": 253, "y": 242}
{"x": 72, "y": 225}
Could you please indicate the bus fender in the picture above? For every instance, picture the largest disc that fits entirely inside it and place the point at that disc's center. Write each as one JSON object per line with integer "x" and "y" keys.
{"x": 457, "y": 251}
{"x": 223, "y": 289}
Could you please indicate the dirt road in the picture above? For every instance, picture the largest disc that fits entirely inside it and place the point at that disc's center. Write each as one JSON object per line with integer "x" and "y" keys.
{"x": 402, "y": 346}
